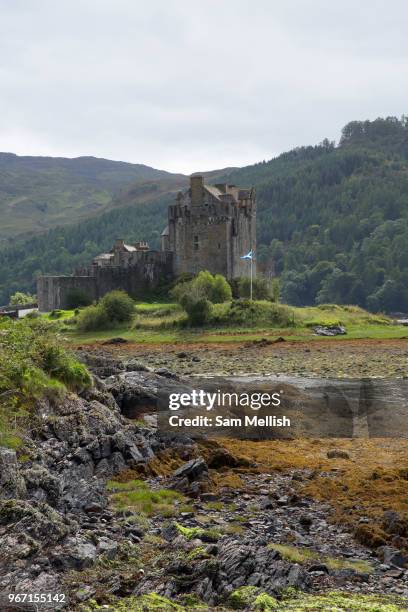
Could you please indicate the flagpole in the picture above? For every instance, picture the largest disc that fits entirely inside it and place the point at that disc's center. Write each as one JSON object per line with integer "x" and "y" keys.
{"x": 251, "y": 280}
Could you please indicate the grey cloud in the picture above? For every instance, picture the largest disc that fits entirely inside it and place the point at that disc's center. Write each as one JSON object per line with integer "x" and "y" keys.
{"x": 183, "y": 85}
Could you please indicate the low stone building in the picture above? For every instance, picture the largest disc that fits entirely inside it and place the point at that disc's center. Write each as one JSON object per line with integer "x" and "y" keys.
{"x": 209, "y": 228}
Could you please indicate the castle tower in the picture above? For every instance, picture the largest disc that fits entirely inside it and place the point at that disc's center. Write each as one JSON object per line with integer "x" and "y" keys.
{"x": 211, "y": 228}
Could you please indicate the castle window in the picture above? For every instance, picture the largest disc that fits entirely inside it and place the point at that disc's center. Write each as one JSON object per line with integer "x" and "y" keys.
{"x": 219, "y": 245}
{"x": 195, "y": 243}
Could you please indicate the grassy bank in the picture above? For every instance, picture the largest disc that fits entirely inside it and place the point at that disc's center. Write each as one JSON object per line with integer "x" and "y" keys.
{"x": 165, "y": 323}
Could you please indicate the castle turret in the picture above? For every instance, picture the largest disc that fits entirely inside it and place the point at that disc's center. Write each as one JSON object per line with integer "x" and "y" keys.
{"x": 197, "y": 190}
{"x": 211, "y": 228}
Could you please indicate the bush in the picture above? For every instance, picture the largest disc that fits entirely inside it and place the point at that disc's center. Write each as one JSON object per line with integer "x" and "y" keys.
{"x": 93, "y": 318}
{"x": 198, "y": 310}
{"x": 77, "y": 298}
{"x": 62, "y": 365}
{"x": 115, "y": 307}
{"x": 22, "y": 299}
{"x": 216, "y": 288}
{"x": 32, "y": 365}
{"x": 221, "y": 290}
{"x": 56, "y": 314}
{"x": 262, "y": 289}
{"x": 119, "y": 306}
{"x": 250, "y": 313}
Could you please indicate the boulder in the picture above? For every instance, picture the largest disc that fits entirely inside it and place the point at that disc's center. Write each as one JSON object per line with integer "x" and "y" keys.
{"x": 192, "y": 470}
{"x": 12, "y": 483}
{"x": 330, "y": 330}
{"x": 393, "y": 556}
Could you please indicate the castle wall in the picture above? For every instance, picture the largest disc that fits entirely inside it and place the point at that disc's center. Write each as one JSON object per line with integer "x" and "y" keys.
{"x": 202, "y": 244}
{"x": 243, "y": 242}
{"x": 138, "y": 274}
{"x": 213, "y": 236}
{"x": 53, "y": 291}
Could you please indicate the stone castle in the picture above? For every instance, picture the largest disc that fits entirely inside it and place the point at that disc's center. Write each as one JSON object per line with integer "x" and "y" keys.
{"x": 209, "y": 228}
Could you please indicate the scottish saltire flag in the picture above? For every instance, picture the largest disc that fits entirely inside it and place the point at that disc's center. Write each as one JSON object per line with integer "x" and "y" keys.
{"x": 248, "y": 256}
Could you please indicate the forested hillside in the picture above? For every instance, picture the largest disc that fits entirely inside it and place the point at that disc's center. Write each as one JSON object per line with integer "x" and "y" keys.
{"x": 38, "y": 193}
{"x": 332, "y": 222}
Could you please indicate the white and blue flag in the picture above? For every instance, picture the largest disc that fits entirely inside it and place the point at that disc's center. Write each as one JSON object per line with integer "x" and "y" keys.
{"x": 249, "y": 255}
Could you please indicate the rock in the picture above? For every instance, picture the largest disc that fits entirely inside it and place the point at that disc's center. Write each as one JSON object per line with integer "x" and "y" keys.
{"x": 330, "y": 330}
{"x": 306, "y": 521}
{"x": 108, "y": 548}
{"x": 336, "y": 453}
{"x": 209, "y": 497}
{"x": 182, "y": 355}
{"x": 93, "y": 507}
{"x": 42, "y": 485}
{"x": 101, "y": 363}
{"x": 84, "y": 593}
{"x": 11, "y": 481}
{"x": 192, "y": 470}
{"x": 220, "y": 457}
{"x": 133, "y": 365}
{"x": 76, "y": 553}
{"x": 267, "y": 504}
{"x": 318, "y": 567}
{"x": 166, "y": 373}
{"x": 36, "y": 520}
{"x": 395, "y": 573}
{"x": 393, "y": 556}
{"x": 393, "y": 523}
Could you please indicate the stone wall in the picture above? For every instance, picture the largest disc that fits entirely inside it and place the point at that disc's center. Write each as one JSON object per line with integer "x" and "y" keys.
{"x": 53, "y": 291}
{"x": 142, "y": 273}
{"x": 212, "y": 237}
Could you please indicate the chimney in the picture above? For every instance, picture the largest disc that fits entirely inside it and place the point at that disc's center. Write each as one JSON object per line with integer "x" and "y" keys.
{"x": 197, "y": 191}
{"x": 119, "y": 244}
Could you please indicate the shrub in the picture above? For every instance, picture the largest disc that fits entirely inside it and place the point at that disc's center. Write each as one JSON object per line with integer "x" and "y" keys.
{"x": 249, "y": 313}
{"x": 22, "y": 299}
{"x": 262, "y": 289}
{"x": 216, "y": 288}
{"x": 119, "y": 306}
{"x": 32, "y": 365}
{"x": 56, "y": 314}
{"x": 77, "y": 298}
{"x": 198, "y": 310}
{"x": 221, "y": 290}
{"x": 92, "y": 318}
{"x": 62, "y": 365}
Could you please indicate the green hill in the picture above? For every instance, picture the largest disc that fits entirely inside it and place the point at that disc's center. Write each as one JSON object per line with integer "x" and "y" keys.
{"x": 332, "y": 222}
{"x": 38, "y": 193}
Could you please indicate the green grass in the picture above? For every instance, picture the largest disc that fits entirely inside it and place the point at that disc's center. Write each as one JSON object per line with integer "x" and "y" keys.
{"x": 164, "y": 323}
{"x": 342, "y": 602}
{"x": 252, "y": 598}
{"x": 137, "y": 496}
{"x": 63, "y": 314}
{"x": 187, "y": 336}
{"x": 300, "y": 555}
{"x": 190, "y": 533}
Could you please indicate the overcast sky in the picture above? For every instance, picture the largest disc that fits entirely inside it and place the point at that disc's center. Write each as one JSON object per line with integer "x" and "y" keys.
{"x": 188, "y": 85}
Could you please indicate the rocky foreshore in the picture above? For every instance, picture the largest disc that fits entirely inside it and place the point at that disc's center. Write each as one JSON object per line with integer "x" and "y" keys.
{"x": 60, "y": 533}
